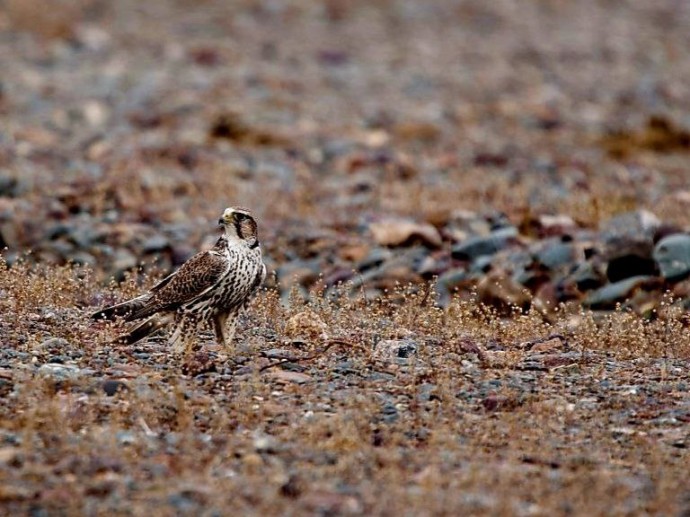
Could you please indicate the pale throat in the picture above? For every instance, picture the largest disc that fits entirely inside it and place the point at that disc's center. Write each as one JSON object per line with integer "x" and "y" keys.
{"x": 232, "y": 237}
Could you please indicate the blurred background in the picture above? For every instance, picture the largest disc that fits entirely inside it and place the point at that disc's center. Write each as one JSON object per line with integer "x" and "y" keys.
{"x": 542, "y": 145}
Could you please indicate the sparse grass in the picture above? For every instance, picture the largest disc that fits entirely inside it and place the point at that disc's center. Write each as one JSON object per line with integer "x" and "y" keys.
{"x": 465, "y": 425}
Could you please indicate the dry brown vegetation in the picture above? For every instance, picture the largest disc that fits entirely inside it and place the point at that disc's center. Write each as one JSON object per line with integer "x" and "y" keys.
{"x": 128, "y": 126}
{"x": 486, "y": 415}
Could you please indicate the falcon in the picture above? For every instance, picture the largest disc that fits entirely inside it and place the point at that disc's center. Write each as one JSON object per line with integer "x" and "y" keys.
{"x": 211, "y": 288}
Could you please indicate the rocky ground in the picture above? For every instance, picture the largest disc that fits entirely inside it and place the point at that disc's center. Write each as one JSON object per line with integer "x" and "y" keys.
{"x": 475, "y": 217}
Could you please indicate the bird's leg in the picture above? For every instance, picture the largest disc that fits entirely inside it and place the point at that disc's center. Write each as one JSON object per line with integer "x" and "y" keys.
{"x": 230, "y": 333}
{"x": 224, "y": 332}
{"x": 219, "y": 327}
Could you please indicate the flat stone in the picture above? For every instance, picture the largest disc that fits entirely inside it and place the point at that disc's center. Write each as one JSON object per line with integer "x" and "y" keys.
{"x": 394, "y": 232}
{"x": 490, "y": 244}
{"x": 59, "y": 371}
{"x": 609, "y": 295}
{"x": 289, "y": 377}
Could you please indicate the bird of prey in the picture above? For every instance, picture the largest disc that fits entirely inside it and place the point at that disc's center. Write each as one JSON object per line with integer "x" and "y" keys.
{"x": 210, "y": 288}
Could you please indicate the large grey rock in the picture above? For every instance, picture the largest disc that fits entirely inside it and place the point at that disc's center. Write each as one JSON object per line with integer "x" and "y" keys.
{"x": 672, "y": 255}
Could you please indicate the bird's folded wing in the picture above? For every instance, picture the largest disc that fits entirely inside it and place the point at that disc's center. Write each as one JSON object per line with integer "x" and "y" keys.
{"x": 196, "y": 277}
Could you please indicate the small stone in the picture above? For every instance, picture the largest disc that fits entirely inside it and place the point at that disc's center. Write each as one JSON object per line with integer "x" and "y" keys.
{"x": 556, "y": 254}
{"x": 112, "y": 386}
{"x": 126, "y": 437}
{"x": 289, "y": 377}
{"x": 59, "y": 371}
{"x": 392, "y": 349}
{"x": 672, "y": 254}
{"x": 474, "y": 247}
{"x": 548, "y": 225}
{"x": 396, "y": 232}
{"x": 94, "y": 113}
{"x": 277, "y": 353}
{"x": 497, "y": 359}
{"x": 53, "y": 344}
{"x": 264, "y": 443}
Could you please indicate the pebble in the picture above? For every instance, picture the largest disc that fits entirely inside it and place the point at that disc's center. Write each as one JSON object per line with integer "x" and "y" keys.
{"x": 113, "y": 386}
{"x": 394, "y": 232}
{"x": 53, "y": 344}
{"x": 289, "y": 377}
{"x": 59, "y": 371}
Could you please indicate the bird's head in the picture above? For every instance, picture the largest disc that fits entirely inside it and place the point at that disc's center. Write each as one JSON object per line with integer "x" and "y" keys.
{"x": 238, "y": 223}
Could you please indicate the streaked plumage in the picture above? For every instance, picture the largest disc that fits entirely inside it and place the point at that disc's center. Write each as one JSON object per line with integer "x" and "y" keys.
{"x": 211, "y": 288}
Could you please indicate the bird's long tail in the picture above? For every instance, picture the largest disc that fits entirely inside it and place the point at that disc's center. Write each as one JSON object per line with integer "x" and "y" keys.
{"x": 141, "y": 330}
{"x": 122, "y": 310}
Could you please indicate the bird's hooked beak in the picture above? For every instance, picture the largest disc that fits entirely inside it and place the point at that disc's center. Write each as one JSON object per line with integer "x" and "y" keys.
{"x": 227, "y": 218}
